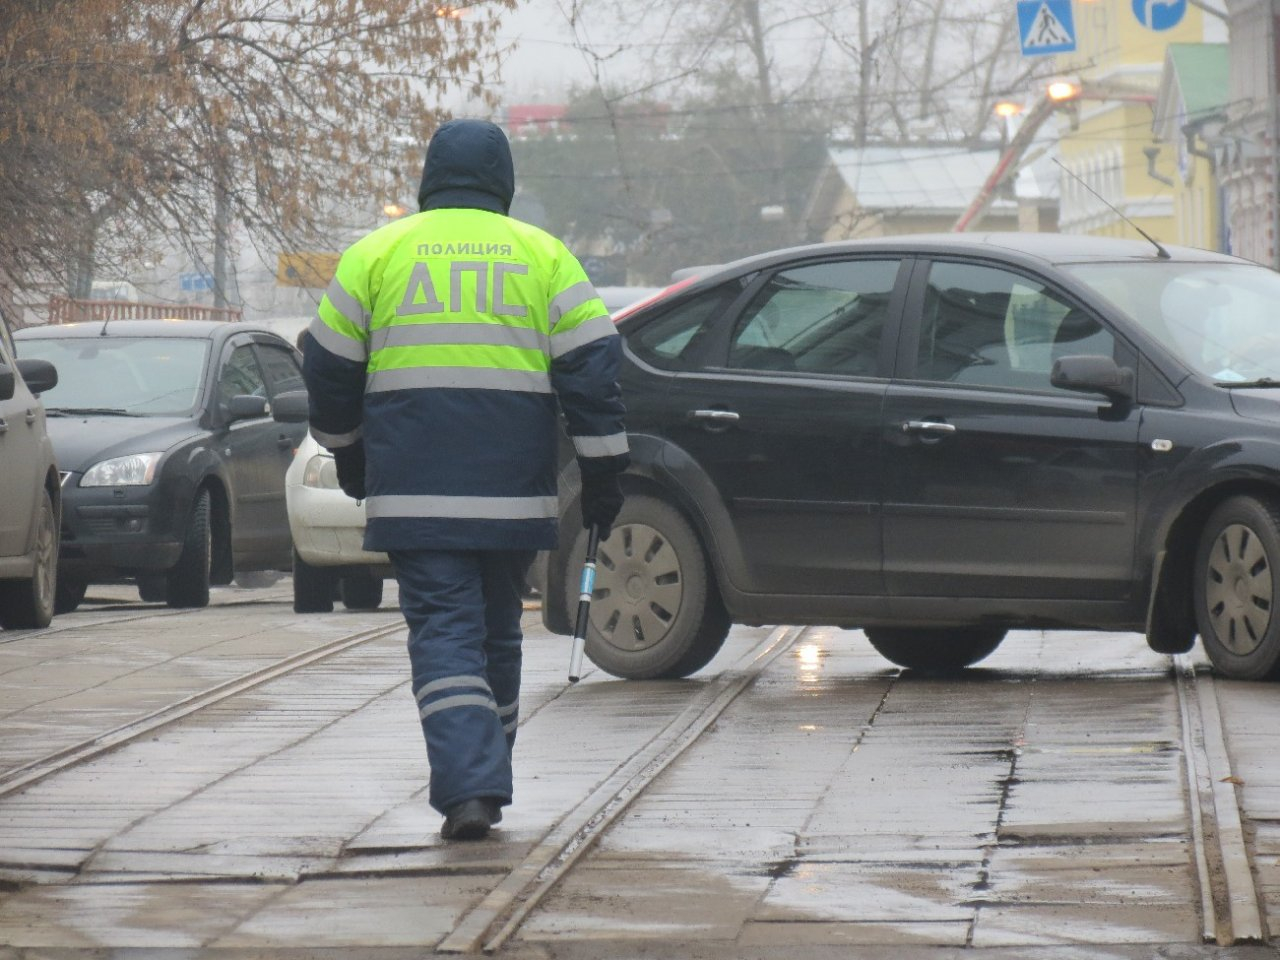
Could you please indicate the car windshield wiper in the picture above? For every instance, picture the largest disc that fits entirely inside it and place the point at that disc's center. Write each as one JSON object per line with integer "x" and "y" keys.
{"x": 89, "y": 412}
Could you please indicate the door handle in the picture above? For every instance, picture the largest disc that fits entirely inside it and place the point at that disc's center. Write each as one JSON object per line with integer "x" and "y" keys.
{"x": 284, "y": 441}
{"x": 31, "y": 416}
{"x": 928, "y": 426}
{"x": 4, "y": 427}
{"x": 718, "y": 416}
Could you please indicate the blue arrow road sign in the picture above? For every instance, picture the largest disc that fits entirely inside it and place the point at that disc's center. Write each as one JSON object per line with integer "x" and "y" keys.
{"x": 1046, "y": 26}
{"x": 1159, "y": 14}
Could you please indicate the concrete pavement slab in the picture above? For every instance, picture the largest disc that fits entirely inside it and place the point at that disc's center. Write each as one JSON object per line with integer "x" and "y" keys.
{"x": 801, "y": 937}
{"x": 1086, "y": 924}
{"x": 865, "y": 892}
{"x": 353, "y": 912}
{"x": 162, "y": 915}
{"x": 647, "y": 903}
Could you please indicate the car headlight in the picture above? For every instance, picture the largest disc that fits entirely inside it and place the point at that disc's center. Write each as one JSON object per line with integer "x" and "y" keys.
{"x": 135, "y": 470}
{"x": 321, "y": 472}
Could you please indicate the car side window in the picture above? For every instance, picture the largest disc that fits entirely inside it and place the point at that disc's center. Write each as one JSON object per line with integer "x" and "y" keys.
{"x": 672, "y": 341}
{"x": 282, "y": 369}
{"x": 240, "y": 375}
{"x": 989, "y": 326}
{"x": 825, "y": 318}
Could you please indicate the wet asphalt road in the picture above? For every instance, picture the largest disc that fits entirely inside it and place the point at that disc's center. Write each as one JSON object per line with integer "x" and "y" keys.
{"x": 167, "y": 789}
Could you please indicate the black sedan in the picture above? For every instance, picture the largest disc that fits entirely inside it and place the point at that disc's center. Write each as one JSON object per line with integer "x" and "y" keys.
{"x": 937, "y": 439}
{"x": 172, "y": 466}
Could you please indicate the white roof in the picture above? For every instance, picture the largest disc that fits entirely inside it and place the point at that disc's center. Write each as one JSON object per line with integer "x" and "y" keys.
{"x": 944, "y": 178}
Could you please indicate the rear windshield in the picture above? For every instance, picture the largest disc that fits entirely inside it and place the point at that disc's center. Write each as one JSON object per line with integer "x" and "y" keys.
{"x": 144, "y": 377}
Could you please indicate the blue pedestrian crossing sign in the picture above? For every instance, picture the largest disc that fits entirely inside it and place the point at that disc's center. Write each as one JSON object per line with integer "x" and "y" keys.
{"x": 1046, "y": 26}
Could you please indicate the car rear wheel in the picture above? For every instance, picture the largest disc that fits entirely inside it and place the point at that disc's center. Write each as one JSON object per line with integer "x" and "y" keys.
{"x": 312, "y": 587}
{"x": 1237, "y": 586}
{"x": 69, "y": 594}
{"x": 935, "y": 649}
{"x": 187, "y": 584}
{"x": 655, "y": 611}
{"x": 360, "y": 592}
{"x": 28, "y": 604}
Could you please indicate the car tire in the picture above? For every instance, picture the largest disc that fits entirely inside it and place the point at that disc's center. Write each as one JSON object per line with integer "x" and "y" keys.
{"x": 935, "y": 649}
{"x": 29, "y": 604}
{"x": 187, "y": 584}
{"x": 656, "y": 612}
{"x": 360, "y": 592}
{"x": 151, "y": 588}
{"x": 69, "y": 594}
{"x": 1237, "y": 587}
{"x": 312, "y": 587}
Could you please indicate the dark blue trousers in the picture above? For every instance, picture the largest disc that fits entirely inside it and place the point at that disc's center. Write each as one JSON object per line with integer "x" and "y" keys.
{"x": 463, "y": 611}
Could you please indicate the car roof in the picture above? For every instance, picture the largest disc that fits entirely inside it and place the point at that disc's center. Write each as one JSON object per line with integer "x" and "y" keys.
{"x": 1027, "y": 248}
{"x": 190, "y": 329}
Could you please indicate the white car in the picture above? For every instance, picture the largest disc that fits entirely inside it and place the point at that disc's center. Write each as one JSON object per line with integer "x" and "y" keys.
{"x": 329, "y": 559}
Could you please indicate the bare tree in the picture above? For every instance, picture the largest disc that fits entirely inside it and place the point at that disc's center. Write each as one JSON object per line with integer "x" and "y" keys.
{"x": 126, "y": 120}
{"x": 883, "y": 69}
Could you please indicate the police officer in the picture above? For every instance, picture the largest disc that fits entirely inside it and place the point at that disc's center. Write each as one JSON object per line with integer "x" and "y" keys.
{"x": 435, "y": 364}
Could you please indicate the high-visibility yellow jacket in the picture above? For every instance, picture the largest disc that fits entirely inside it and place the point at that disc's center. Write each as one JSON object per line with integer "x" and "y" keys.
{"x": 443, "y": 344}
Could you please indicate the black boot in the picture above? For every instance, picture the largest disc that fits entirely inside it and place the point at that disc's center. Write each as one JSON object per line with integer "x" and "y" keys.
{"x": 495, "y": 809}
{"x": 469, "y": 820}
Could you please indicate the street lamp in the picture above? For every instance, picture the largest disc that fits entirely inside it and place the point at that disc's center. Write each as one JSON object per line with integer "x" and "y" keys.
{"x": 1063, "y": 89}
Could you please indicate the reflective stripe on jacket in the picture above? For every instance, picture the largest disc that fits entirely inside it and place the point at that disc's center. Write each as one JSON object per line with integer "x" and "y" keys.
{"x": 445, "y": 341}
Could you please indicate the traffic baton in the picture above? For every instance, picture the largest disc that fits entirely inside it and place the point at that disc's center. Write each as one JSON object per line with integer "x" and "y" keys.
{"x": 587, "y": 587}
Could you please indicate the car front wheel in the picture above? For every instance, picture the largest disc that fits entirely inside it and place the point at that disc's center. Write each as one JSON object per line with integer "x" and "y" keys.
{"x": 1236, "y": 588}
{"x": 28, "y": 604}
{"x": 187, "y": 584}
{"x": 935, "y": 649}
{"x": 69, "y": 594}
{"x": 655, "y": 610}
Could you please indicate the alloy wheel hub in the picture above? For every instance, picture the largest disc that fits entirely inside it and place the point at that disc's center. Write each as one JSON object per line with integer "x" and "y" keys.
{"x": 1239, "y": 589}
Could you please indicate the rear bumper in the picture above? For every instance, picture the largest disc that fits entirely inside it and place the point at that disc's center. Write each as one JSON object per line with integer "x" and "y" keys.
{"x": 328, "y": 529}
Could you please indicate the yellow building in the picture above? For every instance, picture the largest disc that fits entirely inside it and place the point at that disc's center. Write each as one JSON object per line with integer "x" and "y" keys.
{"x": 1108, "y": 141}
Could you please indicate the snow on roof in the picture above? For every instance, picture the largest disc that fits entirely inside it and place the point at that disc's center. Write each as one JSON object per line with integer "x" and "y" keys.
{"x": 940, "y": 179}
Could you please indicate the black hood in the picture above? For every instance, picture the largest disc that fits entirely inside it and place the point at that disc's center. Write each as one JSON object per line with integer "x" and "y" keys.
{"x": 81, "y": 441}
{"x": 468, "y": 165}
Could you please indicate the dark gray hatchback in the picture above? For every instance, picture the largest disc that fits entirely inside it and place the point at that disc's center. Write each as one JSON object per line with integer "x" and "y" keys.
{"x": 940, "y": 438}
{"x": 172, "y": 465}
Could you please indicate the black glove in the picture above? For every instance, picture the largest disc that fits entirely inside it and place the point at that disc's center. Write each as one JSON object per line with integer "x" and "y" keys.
{"x": 601, "y": 501}
{"x": 350, "y": 463}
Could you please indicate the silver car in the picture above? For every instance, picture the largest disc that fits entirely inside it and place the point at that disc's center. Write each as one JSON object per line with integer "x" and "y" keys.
{"x": 31, "y": 508}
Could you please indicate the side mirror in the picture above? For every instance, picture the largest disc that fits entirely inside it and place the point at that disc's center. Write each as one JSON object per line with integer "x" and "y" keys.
{"x": 291, "y": 407}
{"x": 40, "y": 375}
{"x": 8, "y": 383}
{"x": 246, "y": 407}
{"x": 1094, "y": 374}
